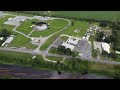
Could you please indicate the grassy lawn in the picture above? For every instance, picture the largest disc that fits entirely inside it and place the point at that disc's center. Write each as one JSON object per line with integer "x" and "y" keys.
{"x": 82, "y": 25}
{"x": 22, "y": 41}
{"x": 55, "y": 25}
{"x": 97, "y": 68}
{"x": 15, "y": 54}
{"x": 18, "y": 55}
{"x": 98, "y": 15}
{"x": 25, "y": 60}
{"x": 64, "y": 38}
{"x": 91, "y": 39}
{"x": 100, "y": 66}
{"x": 105, "y": 69}
{"x": 25, "y": 26}
{"x": 50, "y": 41}
{"x": 5, "y": 26}
{"x": 54, "y": 50}
{"x": 54, "y": 58}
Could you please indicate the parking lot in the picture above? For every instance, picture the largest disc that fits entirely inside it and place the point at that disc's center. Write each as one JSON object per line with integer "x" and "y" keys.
{"x": 88, "y": 51}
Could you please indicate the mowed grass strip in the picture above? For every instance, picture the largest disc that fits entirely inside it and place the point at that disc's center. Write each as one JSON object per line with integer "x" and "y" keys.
{"x": 5, "y": 26}
{"x": 25, "y": 26}
{"x": 54, "y": 58}
{"x": 64, "y": 38}
{"x": 22, "y": 41}
{"x": 15, "y": 54}
{"x": 100, "y": 68}
{"x": 81, "y": 26}
{"x": 95, "y": 67}
{"x": 50, "y": 41}
{"x": 55, "y": 25}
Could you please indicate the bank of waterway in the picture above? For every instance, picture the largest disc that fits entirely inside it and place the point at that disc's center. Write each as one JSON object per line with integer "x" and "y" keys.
{"x": 20, "y": 72}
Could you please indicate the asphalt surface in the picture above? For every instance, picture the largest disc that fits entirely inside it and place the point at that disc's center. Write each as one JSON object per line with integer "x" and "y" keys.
{"x": 30, "y": 73}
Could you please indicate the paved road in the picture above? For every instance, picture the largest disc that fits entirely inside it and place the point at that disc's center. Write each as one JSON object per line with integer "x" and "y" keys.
{"x": 31, "y": 73}
{"x": 57, "y": 55}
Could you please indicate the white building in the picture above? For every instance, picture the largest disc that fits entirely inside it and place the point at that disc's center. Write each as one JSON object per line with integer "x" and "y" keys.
{"x": 1, "y": 38}
{"x": 106, "y": 47}
{"x": 67, "y": 45}
{"x": 34, "y": 57}
{"x": 72, "y": 41}
{"x": 8, "y": 40}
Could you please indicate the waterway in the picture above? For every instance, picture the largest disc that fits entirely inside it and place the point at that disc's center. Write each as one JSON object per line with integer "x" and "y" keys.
{"x": 19, "y": 72}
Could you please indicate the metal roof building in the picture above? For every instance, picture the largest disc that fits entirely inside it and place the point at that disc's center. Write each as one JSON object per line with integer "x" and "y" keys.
{"x": 72, "y": 41}
{"x": 67, "y": 45}
{"x": 9, "y": 40}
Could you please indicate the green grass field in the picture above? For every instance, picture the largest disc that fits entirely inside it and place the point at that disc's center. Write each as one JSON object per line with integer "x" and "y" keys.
{"x": 55, "y": 25}
{"x": 50, "y": 41}
{"x": 15, "y": 54}
{"x": 54, "y": 58}
{"x": 64, "y": 38}
{"x": 22, "y": 41}
{"x": 81, "y": 25}
{"x": 100, "y": 67}
{"x": 54, "y": 50}
{"x": 25, "y": 26}
{"x": 98, "y": 15}
{"x": 5, "y": 26}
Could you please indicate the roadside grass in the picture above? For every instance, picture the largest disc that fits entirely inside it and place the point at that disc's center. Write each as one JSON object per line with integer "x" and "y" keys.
{"x": 69, "y": 31}
{"x": 100, "y": 67}
{"x": 15, "y": 54}
{"x": 22, "y": 41}
{"x": 54, "y": 50}
{"x": 94, "y": 54}
{"x": 55, "y": 25}
{"x": 50, "y": 41}
{"x": 96, "y": 67}
{"x": 54, "y": 58}
{"x": 98, "y": 15}
{"x": 81, "y": 25}
{"x": 25, "y": 60}
{"x": 64, "y": 38}
{"x": 18, "y": 55}
{"x": 5, "y": 26}
{"x": 25, "y": 26}
{"x": 105, "y": 69}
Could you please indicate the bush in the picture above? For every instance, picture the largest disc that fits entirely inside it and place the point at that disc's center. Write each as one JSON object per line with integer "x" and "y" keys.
{"x": 103, "y": 24}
